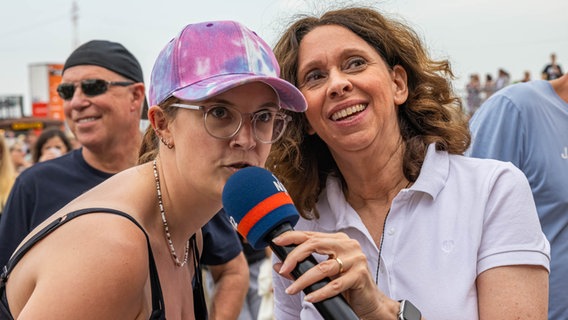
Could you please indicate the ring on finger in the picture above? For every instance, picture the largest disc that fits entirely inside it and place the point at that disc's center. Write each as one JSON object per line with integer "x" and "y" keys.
{"x": 340, "y": 263}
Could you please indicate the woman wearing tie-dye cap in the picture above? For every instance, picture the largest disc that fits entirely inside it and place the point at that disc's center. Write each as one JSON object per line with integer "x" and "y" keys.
{"x": 215, "y": 107}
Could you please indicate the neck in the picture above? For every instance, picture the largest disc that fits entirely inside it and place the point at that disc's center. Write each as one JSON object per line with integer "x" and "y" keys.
{"x": 376, "y": 178}
{"x": 113, "y": 159}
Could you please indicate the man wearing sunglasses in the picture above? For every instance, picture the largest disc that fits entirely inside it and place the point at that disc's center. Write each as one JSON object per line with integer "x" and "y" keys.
{"x": 104, "y": 96}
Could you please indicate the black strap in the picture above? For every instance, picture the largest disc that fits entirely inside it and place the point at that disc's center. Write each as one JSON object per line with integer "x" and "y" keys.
{"x": 158, "y": 307}
{"x": 199, "y": 303}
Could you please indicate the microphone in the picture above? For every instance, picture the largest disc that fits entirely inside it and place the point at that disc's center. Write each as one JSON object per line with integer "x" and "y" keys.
{"x": 261, "y": 209}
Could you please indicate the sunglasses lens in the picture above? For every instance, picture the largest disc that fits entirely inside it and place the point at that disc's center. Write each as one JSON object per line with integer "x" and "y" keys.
{"x": 94, "y": 87}
{"x": 66, "y": 90}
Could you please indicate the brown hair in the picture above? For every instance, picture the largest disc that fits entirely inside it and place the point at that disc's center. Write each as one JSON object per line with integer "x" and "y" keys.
{"x": 433, "y": 113}
{"x": 45, "y": 135}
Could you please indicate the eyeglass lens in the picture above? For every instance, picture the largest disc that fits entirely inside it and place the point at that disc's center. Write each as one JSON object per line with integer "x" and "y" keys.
{"x": 224, "y": 122}
{"x": 90, "y": 87}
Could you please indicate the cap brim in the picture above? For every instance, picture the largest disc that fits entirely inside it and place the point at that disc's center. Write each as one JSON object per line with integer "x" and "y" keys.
{"x": 290, "y": 97}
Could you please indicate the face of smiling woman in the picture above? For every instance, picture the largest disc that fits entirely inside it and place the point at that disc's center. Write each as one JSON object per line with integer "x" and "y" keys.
{"x": 351, "y": 93}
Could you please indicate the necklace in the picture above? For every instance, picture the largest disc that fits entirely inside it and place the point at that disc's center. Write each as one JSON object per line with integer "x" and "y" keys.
{"x": 165, "y": 223}
{"x": 381, "y": 247}
{"x": 382, "y": 238}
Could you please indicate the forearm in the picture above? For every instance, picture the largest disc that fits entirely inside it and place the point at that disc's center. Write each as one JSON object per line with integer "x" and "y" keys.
{"x": 231, "y": 286}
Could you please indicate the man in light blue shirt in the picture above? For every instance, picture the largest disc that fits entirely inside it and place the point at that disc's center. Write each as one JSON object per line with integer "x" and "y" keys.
{"x": 527, "y": 124}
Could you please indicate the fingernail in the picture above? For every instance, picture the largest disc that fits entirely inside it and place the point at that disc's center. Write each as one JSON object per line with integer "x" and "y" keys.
{"x": 308, "y": 298}
{"x": 282, "y": 267}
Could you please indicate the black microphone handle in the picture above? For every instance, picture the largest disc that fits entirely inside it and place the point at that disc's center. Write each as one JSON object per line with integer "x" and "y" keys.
{"x": 334, "y": 308}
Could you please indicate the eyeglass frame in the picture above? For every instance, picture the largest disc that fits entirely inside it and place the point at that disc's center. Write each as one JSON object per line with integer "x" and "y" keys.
{"x": 286, "y": 118}
{"x": 108, "y": 84}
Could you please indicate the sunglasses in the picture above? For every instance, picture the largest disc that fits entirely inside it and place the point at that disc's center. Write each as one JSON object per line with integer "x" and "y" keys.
{"x": 90, "y": 87}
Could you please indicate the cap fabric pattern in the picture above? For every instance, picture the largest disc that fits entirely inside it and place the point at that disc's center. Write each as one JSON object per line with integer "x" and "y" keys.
{"x": 206, "y": 59}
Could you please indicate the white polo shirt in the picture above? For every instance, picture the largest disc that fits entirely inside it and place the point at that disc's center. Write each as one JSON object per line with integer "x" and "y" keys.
{"x": 461, "y": 217}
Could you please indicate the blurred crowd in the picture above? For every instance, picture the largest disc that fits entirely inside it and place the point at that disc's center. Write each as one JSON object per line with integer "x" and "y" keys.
{"x": 477, "y": 91}
{"x": 21, "y": 150}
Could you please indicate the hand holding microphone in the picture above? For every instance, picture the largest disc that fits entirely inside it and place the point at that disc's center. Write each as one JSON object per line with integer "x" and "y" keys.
{"x": 262, "y": 210}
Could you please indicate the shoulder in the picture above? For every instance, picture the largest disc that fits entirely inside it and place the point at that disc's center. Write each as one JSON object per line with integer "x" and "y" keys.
{"x": 89, "y": 237}
{"x": 476, "y": 168}
{"x": 94, "y": 257}
{"x": 520, "y": 95}
{"x": 82, "y": 245}
{"x": 449, "y": 172}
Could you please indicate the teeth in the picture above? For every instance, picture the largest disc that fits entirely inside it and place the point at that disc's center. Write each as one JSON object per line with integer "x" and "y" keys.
{"x": 86, "y": 120}
{"x": 347, "y": 112}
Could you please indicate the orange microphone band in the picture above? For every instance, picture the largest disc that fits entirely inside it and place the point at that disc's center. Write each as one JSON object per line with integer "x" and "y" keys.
{"x": 262, "y": 209}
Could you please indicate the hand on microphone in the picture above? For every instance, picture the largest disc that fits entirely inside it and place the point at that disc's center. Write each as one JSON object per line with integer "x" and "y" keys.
{"x": 355, "y": 281}
{"x": 341, "y": 287}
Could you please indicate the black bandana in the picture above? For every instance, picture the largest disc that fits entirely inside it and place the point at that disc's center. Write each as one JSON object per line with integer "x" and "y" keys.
{"x": 109, "y": 55}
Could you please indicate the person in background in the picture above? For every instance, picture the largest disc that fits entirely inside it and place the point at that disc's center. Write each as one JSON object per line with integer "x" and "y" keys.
{"x": 103, "y": 93}
{"x": 51, "y": 143}
{"x": 473, "y": 89}
{"x": 255, "y": 259}
{"x": 248, "y": 310}
{"x": 389, "y": 204}
{"x": 503, "y": 79}
{"x": 527, "y": 125}
{"x": 30, "y": 139}
{"x": 225, "y": 265}
{"x": 266, "y": 289}
{"x": 103, "y": 97}
{"x": 488, "y": 86}
{"x": 206, "y": 124}
{"x": 7, "y": 172}
{"x": 18, "y": 156}
{"x": 526, "y": 76}
{"x": 552, "y": 70}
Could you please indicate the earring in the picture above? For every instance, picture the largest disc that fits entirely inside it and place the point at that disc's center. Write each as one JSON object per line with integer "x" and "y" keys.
{"x": 167, "y": 144}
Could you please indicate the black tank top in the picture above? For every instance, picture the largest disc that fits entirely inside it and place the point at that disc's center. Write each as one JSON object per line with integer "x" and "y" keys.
{"x": 158, "y": 308}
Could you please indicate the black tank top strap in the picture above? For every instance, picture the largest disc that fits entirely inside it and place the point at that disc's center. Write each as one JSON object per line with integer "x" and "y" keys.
{"x": 158, "y": 307}
{"x": 199, "y": 303}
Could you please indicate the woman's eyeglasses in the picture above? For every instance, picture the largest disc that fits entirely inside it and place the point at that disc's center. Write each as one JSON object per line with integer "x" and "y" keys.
{"x": 224, "y": 122}
{"x": 90, "y": 87}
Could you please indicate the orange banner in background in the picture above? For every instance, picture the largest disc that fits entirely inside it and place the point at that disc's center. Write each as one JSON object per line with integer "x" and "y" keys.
{"x": 55, "y": 105}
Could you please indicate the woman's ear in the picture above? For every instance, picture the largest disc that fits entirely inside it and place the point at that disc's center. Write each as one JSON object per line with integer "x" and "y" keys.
{"x": 159, "y": 121}
{"x": 400, "y": 83}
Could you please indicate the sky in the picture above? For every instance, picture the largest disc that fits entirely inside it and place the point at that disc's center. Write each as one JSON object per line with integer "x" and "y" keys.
{"x": 476, "y": 36}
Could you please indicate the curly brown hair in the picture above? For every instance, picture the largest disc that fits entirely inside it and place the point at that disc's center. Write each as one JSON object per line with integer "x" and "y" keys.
{"x": 433, "y": 113}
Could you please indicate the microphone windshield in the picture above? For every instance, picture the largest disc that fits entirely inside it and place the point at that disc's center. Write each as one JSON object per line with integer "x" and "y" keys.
{"x": 257, "y": 203}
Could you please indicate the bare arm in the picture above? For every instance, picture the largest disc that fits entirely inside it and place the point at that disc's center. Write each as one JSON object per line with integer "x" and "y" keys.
{"x": 231, "y": 286}
{"x": 72, "y": 274}
{"x": 513, "y": 292}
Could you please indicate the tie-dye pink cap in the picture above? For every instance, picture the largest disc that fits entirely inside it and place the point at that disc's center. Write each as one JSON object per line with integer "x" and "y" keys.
{"x": 208, "y": 58}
